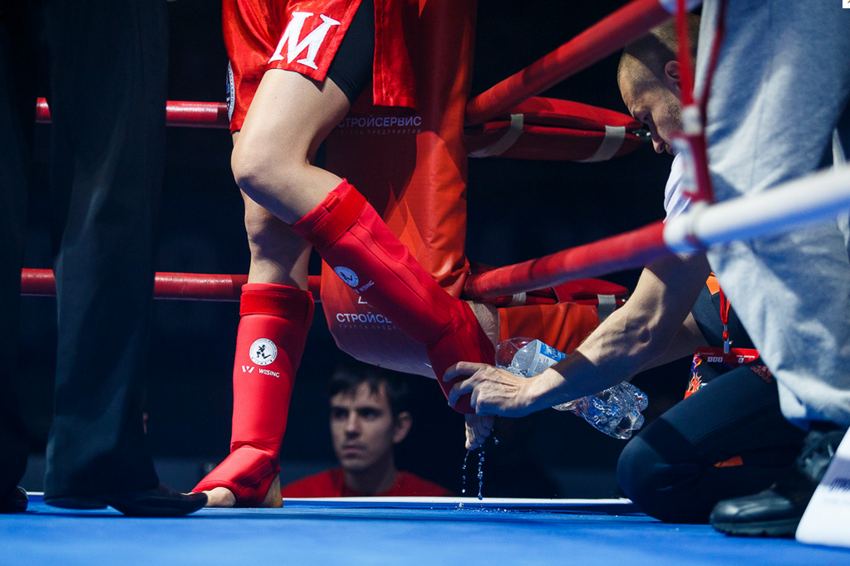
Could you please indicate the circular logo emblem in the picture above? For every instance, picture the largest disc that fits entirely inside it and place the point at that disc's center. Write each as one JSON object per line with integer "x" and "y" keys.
{"x": 231, "y": 99}
{"x": 263, "y": 352}
{"x": 349, "y": 277}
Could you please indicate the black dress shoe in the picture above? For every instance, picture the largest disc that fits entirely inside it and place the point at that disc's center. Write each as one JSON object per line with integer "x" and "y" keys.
{"x": 770, "y": 513}
{"x": 157, "y": 502}
{"x": 777, "y": 511}
{"x": 15, "y": 501}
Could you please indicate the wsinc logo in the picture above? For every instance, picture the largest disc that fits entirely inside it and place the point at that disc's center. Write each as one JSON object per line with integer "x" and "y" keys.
{"x": 295, "y": 46}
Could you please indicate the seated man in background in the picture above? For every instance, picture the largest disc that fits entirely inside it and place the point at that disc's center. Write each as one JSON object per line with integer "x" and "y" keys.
{"x": 368, "y": 416}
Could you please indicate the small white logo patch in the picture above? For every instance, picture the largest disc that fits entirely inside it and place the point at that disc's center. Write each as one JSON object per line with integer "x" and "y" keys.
{"x": 349, "y": 277}
{"x": 263, "y": 352}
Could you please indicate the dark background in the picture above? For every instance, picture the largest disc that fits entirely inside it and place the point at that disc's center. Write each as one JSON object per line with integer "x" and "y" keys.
{"x": 518, "y": 210}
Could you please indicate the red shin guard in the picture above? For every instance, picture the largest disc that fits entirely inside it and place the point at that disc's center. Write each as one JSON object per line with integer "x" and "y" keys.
{"x": 353, "y": 239}
{"x": 271, "y": 338}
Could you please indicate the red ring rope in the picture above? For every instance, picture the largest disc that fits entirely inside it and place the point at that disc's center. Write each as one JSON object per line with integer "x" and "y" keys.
{"x": 167, "y": 286}
{"x": 624, "y": 251}
{"x": 622, "y": 27}
{"x": 177, "y": 114}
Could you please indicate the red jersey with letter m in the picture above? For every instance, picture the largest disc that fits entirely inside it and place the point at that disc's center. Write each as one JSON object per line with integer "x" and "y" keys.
{"x": 304, "y": 36}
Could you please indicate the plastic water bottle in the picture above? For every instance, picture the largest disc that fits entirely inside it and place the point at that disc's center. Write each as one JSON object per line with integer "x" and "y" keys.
{"x": 615, "y": 411}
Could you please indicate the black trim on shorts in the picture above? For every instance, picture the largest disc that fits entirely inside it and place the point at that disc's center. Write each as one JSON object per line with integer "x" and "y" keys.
{"x": 351, "y": 68}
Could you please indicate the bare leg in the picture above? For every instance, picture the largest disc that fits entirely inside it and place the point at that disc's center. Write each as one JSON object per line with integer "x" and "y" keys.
{"x": 289, "y": 118}
{"x": 278, "y": 256}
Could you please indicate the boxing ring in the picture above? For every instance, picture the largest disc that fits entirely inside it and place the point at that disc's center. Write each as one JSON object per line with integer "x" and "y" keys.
{"x": 454, "y": 530}
{"x": 377, "y": 531}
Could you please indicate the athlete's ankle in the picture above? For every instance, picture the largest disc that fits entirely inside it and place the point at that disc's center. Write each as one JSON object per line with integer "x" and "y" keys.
{"x": 220, "y": 497}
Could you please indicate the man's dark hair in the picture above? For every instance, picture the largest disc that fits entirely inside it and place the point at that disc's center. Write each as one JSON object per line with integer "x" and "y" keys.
{"x": 349, "y": 375}
{"x": 659, "y": 46}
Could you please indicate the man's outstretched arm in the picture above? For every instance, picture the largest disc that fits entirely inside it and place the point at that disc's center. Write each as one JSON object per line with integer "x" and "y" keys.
{"x": 641, "y": 331}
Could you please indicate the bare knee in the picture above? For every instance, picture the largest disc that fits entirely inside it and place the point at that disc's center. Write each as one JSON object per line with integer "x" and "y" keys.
{"x": 256, "y": 170}
{"x": 265, "y": 171}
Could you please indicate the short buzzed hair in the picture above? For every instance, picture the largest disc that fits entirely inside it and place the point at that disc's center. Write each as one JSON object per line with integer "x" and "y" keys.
{"x": 350, "y": 374}
{"x": 658, "y": 47}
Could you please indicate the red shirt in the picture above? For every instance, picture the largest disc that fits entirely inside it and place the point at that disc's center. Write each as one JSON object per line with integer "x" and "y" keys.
{"x": 330, "y": 484}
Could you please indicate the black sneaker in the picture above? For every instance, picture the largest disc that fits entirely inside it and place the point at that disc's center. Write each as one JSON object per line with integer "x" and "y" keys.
{"x": 15, "y": 501}
{"x": 777, "y": 511}
{"x": 157, "y": 502}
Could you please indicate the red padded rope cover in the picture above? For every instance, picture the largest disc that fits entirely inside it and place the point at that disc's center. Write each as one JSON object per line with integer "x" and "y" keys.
{"x": 573, "y": 115}
{"x": 555, "y": 130}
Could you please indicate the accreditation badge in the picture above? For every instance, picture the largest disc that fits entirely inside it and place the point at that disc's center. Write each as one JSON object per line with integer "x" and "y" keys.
{"x": 709, "y": 363}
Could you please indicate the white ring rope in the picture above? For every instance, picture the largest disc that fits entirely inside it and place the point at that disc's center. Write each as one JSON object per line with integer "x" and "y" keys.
{"x": 814, "y": 199}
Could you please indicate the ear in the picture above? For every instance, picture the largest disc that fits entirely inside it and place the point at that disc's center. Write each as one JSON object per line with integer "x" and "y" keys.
{"x": 402, "y": 425}
{"x": 673, "y": 77}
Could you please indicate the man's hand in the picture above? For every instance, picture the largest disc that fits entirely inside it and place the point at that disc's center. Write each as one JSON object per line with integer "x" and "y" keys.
{"x": 477, "y": 430}
{"x": 493, "y": 391}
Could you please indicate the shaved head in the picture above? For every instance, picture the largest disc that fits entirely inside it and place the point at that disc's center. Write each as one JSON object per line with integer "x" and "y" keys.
{"x": 643, "y": 60}
{"x": 649, "y": 78}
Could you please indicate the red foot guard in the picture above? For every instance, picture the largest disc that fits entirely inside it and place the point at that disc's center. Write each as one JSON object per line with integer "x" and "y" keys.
{"x": 353, "y": 239}
{"x": 271, "y": 338}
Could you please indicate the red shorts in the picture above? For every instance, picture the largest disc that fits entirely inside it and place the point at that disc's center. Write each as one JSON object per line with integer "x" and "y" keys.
{"x": 303, "y": 36}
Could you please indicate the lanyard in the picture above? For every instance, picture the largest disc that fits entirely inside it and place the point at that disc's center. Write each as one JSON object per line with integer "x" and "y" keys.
{"x": 724, "y": 318}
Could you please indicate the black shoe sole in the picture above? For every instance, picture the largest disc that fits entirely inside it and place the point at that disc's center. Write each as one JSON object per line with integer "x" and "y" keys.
{"x": 134, "y": 505}
{"x": 785, "y": 528}
{"x": 156, "y": 506}
{"x": 78, "y": 503}
{"x": 15, "y": 501}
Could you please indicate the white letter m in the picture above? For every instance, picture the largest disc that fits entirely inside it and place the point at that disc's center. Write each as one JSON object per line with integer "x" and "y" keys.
{"x": 311, "y": 43}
